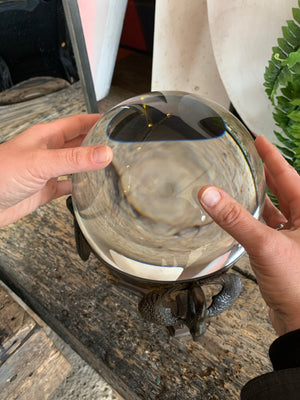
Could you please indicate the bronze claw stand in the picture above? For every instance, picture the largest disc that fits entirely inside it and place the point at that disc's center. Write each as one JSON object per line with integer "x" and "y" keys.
{"x": 184, "y": 303}
{"x": 176, "y": 305}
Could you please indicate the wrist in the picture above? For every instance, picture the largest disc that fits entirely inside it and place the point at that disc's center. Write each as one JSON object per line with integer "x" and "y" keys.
{"x": 283, "y": 323}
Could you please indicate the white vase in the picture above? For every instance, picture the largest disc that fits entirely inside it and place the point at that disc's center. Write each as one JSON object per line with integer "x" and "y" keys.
{"x": 102, "y": 23}
{"x": 182, "y": 55}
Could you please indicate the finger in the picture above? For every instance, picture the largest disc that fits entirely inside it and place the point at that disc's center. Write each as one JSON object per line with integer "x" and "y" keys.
{"x": 272, "y": 185}
{"x": 54, "y": 134}
{"x": 286, "y": 177}
{"x": 272, "y": 216}
{"x": 252, "y": 234}
{"x": 76, "y": 142}
{"x": 53, "y": 163}
{"x": 52, "y": 190}
{"x": 63, "y": 188}
{"x": 69, "y": 128}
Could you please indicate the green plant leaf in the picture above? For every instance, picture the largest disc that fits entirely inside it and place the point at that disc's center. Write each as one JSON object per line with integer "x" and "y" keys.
{"x": 294, "y": 134}
{"x": 292, "y": 59}
{"x": 287, "y": 142}
{"x": 282, "y": 85}
{"x": 297, "y": 151}
{"x": 285, "y": 104}
{"x": 286, "y": 151}
{"x": 296, "y": 14}
{"x": 296, "y": 127}
{"x": 294, "y": 115}
{"x": 289, "y": 36}
{"x": 294, "y": 30}
{"x": 295, "y": 102}
{"x": 285, "y": 46}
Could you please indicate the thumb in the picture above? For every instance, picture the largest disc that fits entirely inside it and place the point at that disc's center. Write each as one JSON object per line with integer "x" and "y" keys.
{"x": 57, "y": 162}
{"x": 252, "y": 234}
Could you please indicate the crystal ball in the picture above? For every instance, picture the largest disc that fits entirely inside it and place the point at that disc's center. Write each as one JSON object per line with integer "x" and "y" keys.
{"x": 141, "y": 214}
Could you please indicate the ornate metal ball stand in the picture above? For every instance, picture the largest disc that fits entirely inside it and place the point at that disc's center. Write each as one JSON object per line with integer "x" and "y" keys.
{"x": 182, "y": 306}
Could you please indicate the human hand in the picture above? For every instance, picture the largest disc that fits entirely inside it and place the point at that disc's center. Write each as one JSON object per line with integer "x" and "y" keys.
{"x": 32, "y": 162}
{"x": 274, "y": 254}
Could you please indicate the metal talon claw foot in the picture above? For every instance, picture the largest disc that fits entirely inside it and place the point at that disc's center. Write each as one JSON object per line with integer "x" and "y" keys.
{"x": 154, "y": 309}
{"x": 185, "y": 304}
{"x": 231, "y": 289}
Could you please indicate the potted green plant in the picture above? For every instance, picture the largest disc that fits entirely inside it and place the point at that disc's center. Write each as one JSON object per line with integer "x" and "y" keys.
{"x": 282, "y": 82}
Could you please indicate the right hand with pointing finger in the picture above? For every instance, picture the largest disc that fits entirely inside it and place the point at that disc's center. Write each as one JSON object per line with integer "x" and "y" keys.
{"x": 274, "y": 254}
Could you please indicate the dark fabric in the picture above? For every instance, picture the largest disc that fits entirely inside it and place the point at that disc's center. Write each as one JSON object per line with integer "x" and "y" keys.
{"x": 284, "y": 382}
{"x": 285, "y": 351}
{"x": 278, "y": 385}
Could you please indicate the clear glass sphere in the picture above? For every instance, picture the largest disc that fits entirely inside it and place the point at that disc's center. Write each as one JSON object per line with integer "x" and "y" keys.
{"x": 141, "y": 214}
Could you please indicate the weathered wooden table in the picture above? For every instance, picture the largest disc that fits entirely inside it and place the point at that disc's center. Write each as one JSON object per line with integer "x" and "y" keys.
{"x": 31, "y": 367}
{"x": 100, "y": 320}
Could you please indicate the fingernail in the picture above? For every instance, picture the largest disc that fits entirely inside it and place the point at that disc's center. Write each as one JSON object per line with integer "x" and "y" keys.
{"x": 100, "y": 154}
{"x": 210, "y": 197}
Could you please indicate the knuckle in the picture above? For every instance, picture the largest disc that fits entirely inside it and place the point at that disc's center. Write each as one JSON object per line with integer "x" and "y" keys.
{"x": 74, "y": 157}
{"x": 231, "y": 215}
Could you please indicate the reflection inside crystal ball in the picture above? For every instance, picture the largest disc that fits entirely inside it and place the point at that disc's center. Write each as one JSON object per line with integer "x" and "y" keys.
{"x": 141, "y": 214}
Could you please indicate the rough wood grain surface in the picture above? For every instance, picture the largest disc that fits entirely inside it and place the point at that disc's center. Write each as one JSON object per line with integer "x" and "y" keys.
{"x": 31, "y": 367}
{"x": 82, "y": 302}
{"x": 32, "y": 88}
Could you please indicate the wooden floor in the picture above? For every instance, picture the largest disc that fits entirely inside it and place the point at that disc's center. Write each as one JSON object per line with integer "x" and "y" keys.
{"x": 86, "y": 307}
{"x": 31, "y": 367}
